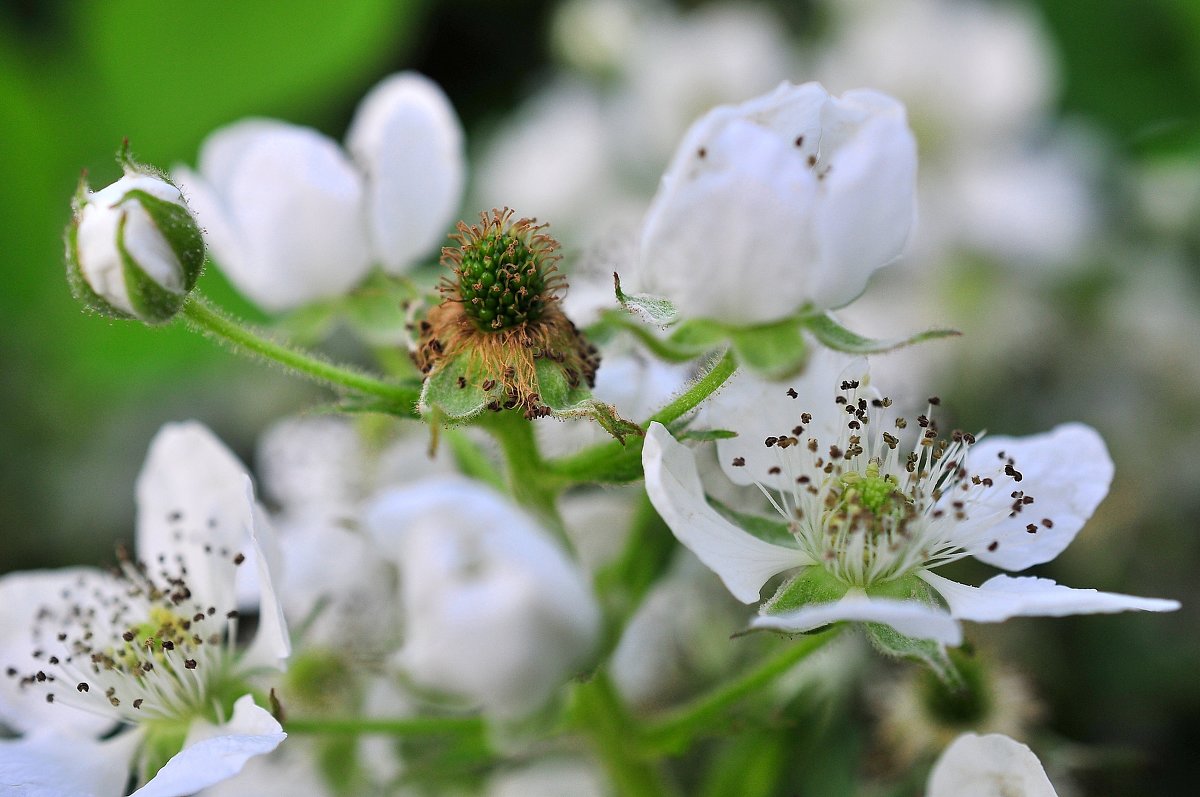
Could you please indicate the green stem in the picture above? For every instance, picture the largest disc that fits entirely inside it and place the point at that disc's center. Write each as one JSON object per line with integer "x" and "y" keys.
{"x": 528, "y": 479}
{"x": 674, "y": 731}
{"x": 214, "y": 323}
{"x": 613, "y": 462}
{"x": 701, "y": 389}
{"x": 599, "y": 714}
{"x": 404, "y": 726}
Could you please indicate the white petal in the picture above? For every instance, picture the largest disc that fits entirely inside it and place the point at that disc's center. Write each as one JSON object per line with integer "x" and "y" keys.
{"x": 283, "y": 210}
{"x": 911, "y": 618}
{"x": 213, "y": 753}
{"x": 743, "y": 561}
{"x": 756, "y": 409}
{"x": 193, "y": 503}
{"x": 271, "y": 645}
{"x": 1002, "y": 597}
{"x": 52, "y": 763}
{"x": 22, "y": 595}
{"x": 1066, "y": 471}
{"x": 869, "y": 194}
{"x": 988, "y": 766}
{"x": 407, "y": 139}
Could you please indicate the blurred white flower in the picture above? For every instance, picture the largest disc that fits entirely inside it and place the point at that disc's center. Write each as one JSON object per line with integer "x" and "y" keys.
{"x": 988, "y": 766}
{"x": 554, "y": 160}
{"x": 291, "y": 219}
{"x": 678, "y": 639}
{"x": 677, "y": 66}
{"x": 151, "y": 646}
{"x": 866, "y": 517}
{"x": 494, "y": 611}
{"x": 971, "y": 73}
{"x": 561, "y": 777}
{"x": 788, "y": 201}
{"x": 282, "y": 211}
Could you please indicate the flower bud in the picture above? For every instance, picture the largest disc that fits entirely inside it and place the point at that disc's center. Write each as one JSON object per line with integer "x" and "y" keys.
{"x": 133, "y": 248}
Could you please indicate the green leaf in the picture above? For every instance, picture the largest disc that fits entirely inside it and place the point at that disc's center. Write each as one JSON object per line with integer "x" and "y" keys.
{"x": 833, "y": 335}
{"x": 812, "y": 585}
{"x": 775, "y": 350}
{"x": 654, "y": 309}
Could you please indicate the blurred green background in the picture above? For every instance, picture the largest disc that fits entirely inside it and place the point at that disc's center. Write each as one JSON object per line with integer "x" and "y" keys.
{"x": 82, "y": 396}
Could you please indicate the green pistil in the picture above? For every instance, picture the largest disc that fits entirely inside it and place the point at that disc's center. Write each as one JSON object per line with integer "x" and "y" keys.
{"x": 501, "y": 281}
{"x": 871, "y": 491}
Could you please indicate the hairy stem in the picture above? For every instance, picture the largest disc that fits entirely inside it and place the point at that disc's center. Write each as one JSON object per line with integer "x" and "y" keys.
{"x": 209, "y": 320}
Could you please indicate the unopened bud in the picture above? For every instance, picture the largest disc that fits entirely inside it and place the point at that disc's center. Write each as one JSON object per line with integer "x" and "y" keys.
{"x": 133, "y": 248}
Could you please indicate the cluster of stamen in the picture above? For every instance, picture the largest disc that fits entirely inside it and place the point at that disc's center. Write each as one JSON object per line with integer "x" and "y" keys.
{"x": 132, "y": 644}
{"x": 502, "y": 308}
{"x": 871, "y": 507}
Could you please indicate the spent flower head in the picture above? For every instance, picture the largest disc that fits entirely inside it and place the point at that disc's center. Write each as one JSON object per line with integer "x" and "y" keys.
{"x": 499, "y": 339}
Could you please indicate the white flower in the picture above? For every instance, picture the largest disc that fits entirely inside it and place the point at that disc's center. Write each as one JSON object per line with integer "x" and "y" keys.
{"x": 788, "y": 201}
{"x": 149, "y": 646}
{"x": 292, "y": 219}
{"x": 135, "y": 248}
{"x": 494, "y": 611}
{"x": 988, "y": 766}
{"x": 866, "y": 516}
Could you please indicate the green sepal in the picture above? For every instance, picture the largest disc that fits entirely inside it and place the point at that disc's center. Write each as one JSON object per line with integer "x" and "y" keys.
{"x": 662, "y": 348}
{"x": 698, "y": 335}
{"x": 177, "y": 225}
{"x": 153, "y": 303}
{"x": 654, "y": 309}
{"x": 555, "y": 389}
{"x": 80, "y": 288}
{"x": 566, "y": 401}
{"x": 775, "y": 350}
{"x": 892, "y": 643}
{"x": 965, "y": 703}
{"x": 831, "y": 334}
{"x": 161, "y": 741}
{"x": 770, "y": 529}
{"x": 812, "y": 585}
{"x": 703, "y": 435}
{"x": 455, "y": 389}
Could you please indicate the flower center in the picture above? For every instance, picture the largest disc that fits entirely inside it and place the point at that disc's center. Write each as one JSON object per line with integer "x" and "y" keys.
{"x": 868, "y": 507}
{"x": 133, "y": 645}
